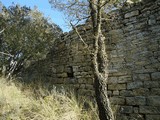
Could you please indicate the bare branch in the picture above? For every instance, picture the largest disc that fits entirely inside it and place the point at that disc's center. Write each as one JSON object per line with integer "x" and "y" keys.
{"x": 6, "y": 54}
{"x": 74, "y": 28}
{"x": 2, "y": 31}
{"x": 107, "y": 1}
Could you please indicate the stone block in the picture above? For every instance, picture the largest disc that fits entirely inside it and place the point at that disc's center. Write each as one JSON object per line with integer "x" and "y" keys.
{"x": 151, "y": 21}
{"x": 131, "y": 14}
{"x": 155, "y": 76}
{"x": 136, "y": 117}
{"x": 117, "y": 87}
{"x": 126, "y": 93}
{"x": 153, "y": 100}
{"x": 141, "y": 77}
{"x": 155, "y": 91}
{"x": 151, "y": 84}
{"x": 124, "y": 79}
{"x": 141, "y": 92}
{"x": 126, "y": 109}
{"x": 109, "y": 93}
{"x": 134, "y": 85}
{"x": 121, "y": 117}
{"x": 116, "y": 93}
{"x": 149, "y": 110}
{"x": 89, "y": 87}
{"x": 62, "y": 75}
{"x": 112, "y": 80}
{"x": 121, "y": 79}
{"x": 117, "y": 100}
{"x": 139, "y": 100}
{"x": 152, "y": 117}
{"x": 136, "y": 110}
{"x": 59, "y": 69}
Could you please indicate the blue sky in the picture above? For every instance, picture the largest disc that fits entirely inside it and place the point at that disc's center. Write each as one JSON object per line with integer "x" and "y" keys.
{"x": 44, "y": 7}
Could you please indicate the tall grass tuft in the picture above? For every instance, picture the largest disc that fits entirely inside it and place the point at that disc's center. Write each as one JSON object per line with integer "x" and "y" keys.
{"x": 36, "y": 103}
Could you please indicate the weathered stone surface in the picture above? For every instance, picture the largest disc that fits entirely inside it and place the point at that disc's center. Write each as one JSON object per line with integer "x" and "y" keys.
{"x": 131, "y": 14}
{"x": 112, "y": 80}
{"x": 155, "y": 76}
{"x": 116, "y": 92}
{"x": 117, "y": 100}
{"x": 136, "y": 117}
{"x": 136, "y": 110}
{"x": 152, "y": 117}
{"x": 126, "y": 109}
{"x": 153, "y": 100}
{"x": 149, "y": 110}
{"x": 134, "y": 85}
{"x": 132, "y": 46}
{"x": 126, "y": 93}
{"x": 117, "y": 87}
{"x": 62, "y": 75}
{"x": 141, "y": 77}
{"x": 151, "y": 21}
{"x": 139, "y": 100}
{"x": 141, "y": 92}
{"x": 151, "y": 84}
{"x": 155, "y": 91}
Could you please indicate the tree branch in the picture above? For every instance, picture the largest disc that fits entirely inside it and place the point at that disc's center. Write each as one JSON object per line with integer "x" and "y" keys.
{"x": 74, "y": 28}
{"x": 2, "y": 31}
{"x": 6, "y": 54}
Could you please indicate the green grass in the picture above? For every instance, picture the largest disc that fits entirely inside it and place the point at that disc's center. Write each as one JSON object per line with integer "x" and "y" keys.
{"x": 36, "y": 103}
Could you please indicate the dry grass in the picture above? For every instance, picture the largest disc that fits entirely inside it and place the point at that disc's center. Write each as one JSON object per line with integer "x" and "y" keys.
{"x": 36, "y": 103}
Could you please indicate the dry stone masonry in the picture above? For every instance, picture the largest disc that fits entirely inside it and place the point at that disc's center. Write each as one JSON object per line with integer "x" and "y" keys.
{"x": 133, "y": 47}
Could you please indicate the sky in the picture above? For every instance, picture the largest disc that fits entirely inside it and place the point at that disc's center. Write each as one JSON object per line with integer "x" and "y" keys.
{"x": 44, "y": 7}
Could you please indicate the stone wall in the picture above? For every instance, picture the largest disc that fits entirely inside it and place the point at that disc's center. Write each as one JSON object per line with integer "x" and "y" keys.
{"x": 133, "y": 47}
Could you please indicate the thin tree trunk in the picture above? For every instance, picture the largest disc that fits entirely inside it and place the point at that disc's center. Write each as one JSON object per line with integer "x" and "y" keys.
{"x": 100, "y": 63}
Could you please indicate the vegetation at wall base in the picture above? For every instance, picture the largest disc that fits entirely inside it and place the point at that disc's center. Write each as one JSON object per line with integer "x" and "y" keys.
{"x": 25, "y": 103}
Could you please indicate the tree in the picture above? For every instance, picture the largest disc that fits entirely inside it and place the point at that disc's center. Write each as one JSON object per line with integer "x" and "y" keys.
{"x": 27, "y": 35}
{"x": 78, "y": 10}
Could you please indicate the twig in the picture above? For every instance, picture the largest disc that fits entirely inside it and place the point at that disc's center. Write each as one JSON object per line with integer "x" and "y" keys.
{"x": 1, "y": 31}
{"x": 6, "y": 54}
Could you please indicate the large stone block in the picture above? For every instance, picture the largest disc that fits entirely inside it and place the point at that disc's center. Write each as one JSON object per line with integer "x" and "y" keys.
{"x": 115, "y": 92}
{"x": 151, "y": 84}
{"x": 141, "y": 92}
{"x": 152, "y": 117}
{"x": 153, "y": 100}
{"x": 136, "y": 117}
{"x": 121, "y": 79}
{"x": 131, "y": 14}
{"x": 134, "y": 85}
{"x": 117, "y": 87}
{"x": 127, "y": 93}
{"x": 126, "y": 109}
{"x": 139, "y": 100}
{"x": 149, "y": 110}
{"x": 141, "y": 77}
{"x": 117, "y": 100}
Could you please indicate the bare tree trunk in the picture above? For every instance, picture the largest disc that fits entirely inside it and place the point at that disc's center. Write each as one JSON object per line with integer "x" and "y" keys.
{"x": 100, "y": 62}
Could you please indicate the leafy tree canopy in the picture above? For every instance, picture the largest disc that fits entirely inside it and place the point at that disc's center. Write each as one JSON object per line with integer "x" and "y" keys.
{"x": 25, "y": 35}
